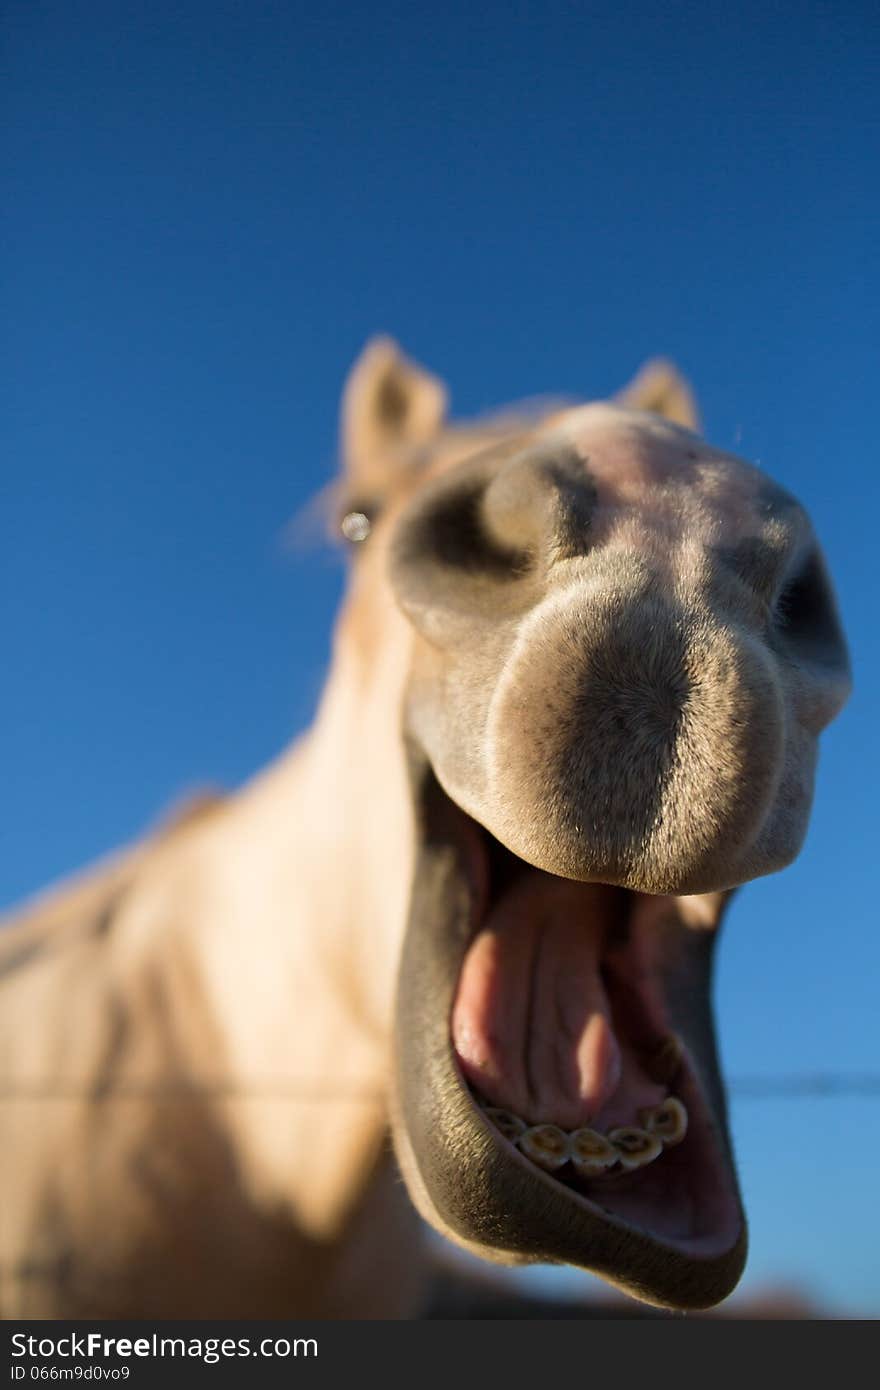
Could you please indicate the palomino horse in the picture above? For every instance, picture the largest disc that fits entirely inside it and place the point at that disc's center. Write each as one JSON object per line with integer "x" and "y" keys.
{"x": 577, "y": 684}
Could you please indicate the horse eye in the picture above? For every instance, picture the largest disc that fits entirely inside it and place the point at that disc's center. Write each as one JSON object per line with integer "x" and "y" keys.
{"x": 355, "y": 527}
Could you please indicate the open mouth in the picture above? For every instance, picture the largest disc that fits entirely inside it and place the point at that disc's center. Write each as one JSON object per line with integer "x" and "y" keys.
{"x": 558, "y": 1091}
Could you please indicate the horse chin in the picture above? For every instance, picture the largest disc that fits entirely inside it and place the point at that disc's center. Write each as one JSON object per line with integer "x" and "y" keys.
{"x": 670, "y": 1232}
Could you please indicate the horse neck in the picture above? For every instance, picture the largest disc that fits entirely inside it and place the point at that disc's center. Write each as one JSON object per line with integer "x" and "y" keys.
{"x": 298, "y": 937}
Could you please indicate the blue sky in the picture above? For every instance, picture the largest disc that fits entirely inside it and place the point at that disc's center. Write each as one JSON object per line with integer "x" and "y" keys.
{"x": 209, "y": 207}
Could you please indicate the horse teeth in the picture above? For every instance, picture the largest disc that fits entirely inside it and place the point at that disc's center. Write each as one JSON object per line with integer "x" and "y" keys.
{"x": 635, "y": 1147}
{"x": 508, "y": 1124}
{"x": 668, "y": 1121}
{"x": 546, "y": 1145}
{"x": 664, "y": 1065}
{"x": 591, "y": 1153}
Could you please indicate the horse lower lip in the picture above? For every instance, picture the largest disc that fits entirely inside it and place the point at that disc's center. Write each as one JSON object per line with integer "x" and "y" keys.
{"x": 683, "y": 1184}
{"x": 644, "y": 1229}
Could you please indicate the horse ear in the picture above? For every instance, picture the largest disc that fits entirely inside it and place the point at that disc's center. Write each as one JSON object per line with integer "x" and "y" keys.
{"x": 390, "y": 406}
{"x": 661, "y": 388}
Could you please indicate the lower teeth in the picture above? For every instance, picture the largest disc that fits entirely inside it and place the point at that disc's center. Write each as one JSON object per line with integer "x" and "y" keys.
{"x": 591, "y": 1153}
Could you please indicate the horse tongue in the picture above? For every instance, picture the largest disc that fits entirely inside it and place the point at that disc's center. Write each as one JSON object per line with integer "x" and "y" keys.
{"x": 532, "y": 1022}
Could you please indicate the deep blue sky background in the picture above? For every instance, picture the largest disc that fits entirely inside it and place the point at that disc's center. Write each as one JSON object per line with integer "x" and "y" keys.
{"x": 210, "y": 206}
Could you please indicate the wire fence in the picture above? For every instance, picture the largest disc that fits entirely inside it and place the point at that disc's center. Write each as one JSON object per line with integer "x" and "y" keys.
{"x": 819, "y": 1086}
{"x": 806, "y": 1086}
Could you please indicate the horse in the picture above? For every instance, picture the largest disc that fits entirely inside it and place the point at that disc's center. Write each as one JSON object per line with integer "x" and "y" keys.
{"x": 577, "y": 683}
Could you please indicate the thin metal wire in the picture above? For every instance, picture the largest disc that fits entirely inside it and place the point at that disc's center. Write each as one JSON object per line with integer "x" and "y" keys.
{"x": 806, "y": 1086}
{"x": 817, "y": 1086}
{"x": 184, "y": 1090}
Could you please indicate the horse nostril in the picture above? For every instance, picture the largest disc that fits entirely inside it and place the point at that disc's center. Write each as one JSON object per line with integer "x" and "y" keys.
{"x": 542, "y": 505}
{"x": 468, "y": 549}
